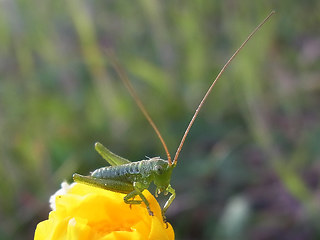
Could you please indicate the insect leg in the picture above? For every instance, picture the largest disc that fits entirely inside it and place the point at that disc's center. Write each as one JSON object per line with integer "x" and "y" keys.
{"x": 128, "y": 200}
{"x": 170, "y": 200}
{"x": 108, "y": 184}
{"x": 112, "y": 159}
{"x": 135, "y": 192}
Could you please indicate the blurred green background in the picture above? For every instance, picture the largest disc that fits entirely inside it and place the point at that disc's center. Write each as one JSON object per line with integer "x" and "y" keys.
{"x": 250, "y": 167}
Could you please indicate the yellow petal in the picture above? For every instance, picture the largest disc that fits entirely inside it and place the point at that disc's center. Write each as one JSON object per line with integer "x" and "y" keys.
{"x": 86, "y": 212}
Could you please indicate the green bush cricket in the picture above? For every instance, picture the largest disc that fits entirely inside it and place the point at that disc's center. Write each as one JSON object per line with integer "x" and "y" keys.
{"x": 132, "y": 178}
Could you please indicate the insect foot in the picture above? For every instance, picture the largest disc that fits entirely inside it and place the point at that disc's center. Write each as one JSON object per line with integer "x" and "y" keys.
{"x": 164, "y": 219}
{"x": 150, "y": 212}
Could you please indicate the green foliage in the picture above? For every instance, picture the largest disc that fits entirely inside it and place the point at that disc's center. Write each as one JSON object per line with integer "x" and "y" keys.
{"x": 252, "y": 152}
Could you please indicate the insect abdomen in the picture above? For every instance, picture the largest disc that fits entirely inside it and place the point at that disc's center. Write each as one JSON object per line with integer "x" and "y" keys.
{"x": 128, "y": 172}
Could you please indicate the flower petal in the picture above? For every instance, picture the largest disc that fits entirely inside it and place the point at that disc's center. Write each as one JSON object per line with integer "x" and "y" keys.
{"x": 86, "y": 212}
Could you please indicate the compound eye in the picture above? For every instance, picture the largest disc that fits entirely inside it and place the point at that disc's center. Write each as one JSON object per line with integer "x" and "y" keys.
{"x": 158, "y": 169}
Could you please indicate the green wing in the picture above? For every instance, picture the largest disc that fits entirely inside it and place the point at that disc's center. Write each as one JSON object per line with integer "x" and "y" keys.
{"x": 112, "y": 159}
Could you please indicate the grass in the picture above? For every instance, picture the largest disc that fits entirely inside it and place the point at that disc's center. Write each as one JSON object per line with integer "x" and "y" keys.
{"x": 252, "y": 153}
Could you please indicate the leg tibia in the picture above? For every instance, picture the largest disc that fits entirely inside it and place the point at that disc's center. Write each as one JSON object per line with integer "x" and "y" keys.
{"x": 134, "y": 193}
{"x": 170, "y": 200}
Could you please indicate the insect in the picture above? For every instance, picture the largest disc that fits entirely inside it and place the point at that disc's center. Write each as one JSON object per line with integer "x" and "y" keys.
{"x": 131, "y": 178}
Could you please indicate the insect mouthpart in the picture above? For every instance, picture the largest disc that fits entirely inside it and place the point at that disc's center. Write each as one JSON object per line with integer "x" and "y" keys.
{"x": 160, "y": 190}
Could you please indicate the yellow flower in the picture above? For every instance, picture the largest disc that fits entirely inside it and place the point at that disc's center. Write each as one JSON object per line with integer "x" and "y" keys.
{"x": 84, "y": 212}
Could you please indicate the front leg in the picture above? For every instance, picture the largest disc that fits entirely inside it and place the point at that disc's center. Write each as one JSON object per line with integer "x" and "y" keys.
{"x": 135, "y": 192}
{"x": 170, "y": 200}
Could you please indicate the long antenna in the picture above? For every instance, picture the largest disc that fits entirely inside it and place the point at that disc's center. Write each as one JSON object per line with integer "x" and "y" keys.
{"x": 214, "y": 82}
{"x": 123, "y": 76}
